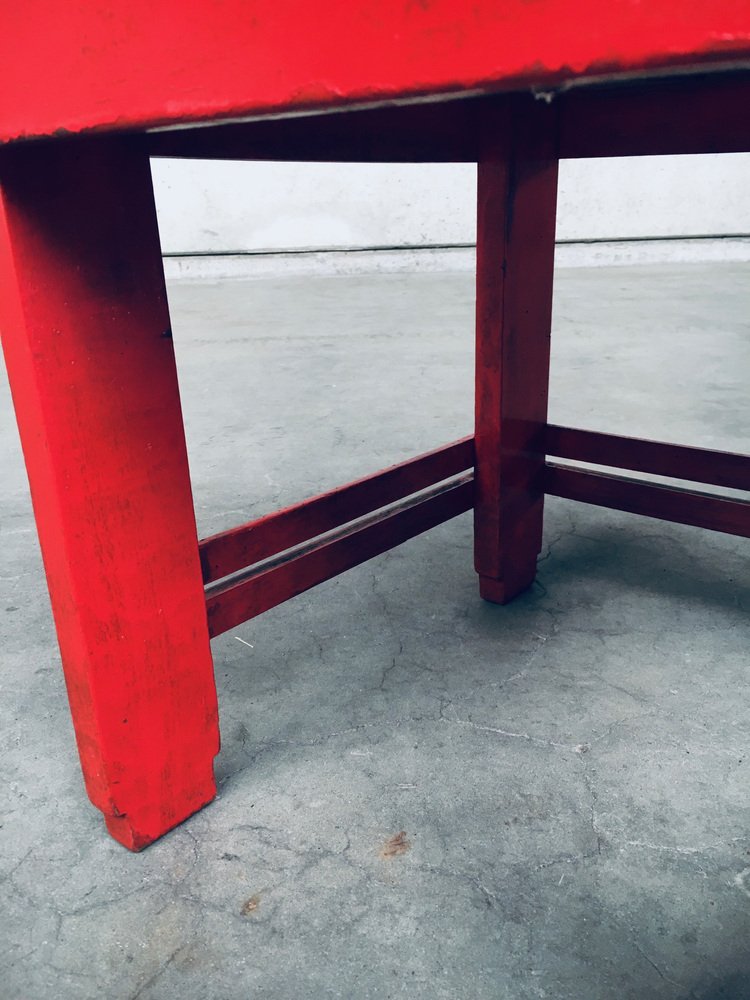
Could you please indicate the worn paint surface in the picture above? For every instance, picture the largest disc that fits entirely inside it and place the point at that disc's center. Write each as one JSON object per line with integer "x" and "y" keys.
{"x": 70, "y": 65}
{"x": 85, "y": 326}
{"x": 85, "y": 332}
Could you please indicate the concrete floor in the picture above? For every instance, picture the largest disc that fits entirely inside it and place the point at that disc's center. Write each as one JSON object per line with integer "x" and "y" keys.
{"x": 571, "y": 772}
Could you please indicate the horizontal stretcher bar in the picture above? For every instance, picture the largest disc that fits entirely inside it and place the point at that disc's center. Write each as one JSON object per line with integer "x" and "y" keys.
{"x": 234, "y": 550}
{"x": 254, "y": 567}
{"x": 697, "y": 465}
{"x": 667, "y": 503}
{"x": 238, "y": 599}
{"x": 703, "y": 114}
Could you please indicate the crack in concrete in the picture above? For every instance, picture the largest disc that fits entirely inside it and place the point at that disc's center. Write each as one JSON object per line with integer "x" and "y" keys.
{"x": 474, "y": 881}
{"x": 593, "y": 819}
{"x": 158, "y": 974}
{"x": 8, "y": 876}
{"x": 669, "y": 849}
{"x": 621, "y": 722}
{"x": 654, "y": 966}
{"x": 269, "y": 838}
{"x": 262, "y": 748}
{"x": 103, "y": 904}
{"x": 576, "y": 679}
{"x": 579, "y": 748}
{"x": 568, "y": 859}
{"x": 555, "y": 541}
{"x": 386, "y": 672}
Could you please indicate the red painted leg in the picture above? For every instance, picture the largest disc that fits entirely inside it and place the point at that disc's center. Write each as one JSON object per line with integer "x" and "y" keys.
{"x": 517, "y": 191}
{"x": 86, "y": 337}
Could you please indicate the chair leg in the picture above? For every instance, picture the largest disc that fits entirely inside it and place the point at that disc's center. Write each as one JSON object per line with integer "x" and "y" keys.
{"x": 517, "y": 194}
{"x": 88, "y": 347}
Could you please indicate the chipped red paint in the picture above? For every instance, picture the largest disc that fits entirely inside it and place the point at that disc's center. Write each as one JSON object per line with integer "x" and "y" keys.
{"x": 72, "y": 65}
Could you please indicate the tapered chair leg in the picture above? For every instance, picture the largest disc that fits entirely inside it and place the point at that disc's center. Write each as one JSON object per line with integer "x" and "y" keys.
{"x": 87, "y": 342}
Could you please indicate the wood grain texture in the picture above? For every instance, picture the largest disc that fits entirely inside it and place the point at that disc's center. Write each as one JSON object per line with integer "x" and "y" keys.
{"x": 517, "y": 192}
{"x": 88, "y": 347}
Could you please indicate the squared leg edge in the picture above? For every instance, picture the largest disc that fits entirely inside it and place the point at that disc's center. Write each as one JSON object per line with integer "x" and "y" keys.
{"x": 137, "y": 831}
{"x": 503, "y": 591}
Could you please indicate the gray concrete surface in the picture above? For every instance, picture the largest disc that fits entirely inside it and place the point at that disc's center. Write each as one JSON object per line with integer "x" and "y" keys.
{"x": 571, "y": 772}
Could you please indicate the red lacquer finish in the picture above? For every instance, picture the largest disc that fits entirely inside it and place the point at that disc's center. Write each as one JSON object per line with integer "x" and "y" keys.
{"x": 516, "y": 196}
{"x": 121, "y": 64}
{"x": 667, "y": 503}
{"x": 86, "y": 337}
{"x": 235, "y": 601}
{"x": 696, "y": 465}
{"x": 86, "y": 334}
{"x": 238, "y": 548}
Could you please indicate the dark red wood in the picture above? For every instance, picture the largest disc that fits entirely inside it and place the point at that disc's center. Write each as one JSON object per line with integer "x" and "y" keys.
{"x": 704, "y": 114}
{"x": 674, "y": 115}
{"x": 668, "y": 503}
{"x": 517, "y": 191}
{"x": 233, "y": 550}
{"x": 86, "y": 337}
{"x": 420, "y": 133}
{"x": 697, "y": 465}
{"x": 235, "y": 601}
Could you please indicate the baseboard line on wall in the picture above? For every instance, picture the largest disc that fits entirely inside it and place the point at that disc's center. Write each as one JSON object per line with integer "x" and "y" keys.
{"x": 430, "y": 259}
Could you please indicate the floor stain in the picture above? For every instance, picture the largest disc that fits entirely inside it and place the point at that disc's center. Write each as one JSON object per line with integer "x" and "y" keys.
{"x": 397, "y": 844}
{"x": 250, "y": 905}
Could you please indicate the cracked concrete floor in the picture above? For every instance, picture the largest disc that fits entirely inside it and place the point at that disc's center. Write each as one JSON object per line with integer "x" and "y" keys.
{"x": 421, "y": 795}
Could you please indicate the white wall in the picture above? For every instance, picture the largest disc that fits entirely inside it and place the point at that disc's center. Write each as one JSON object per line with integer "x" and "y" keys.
{"x": 213, "y": 206}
